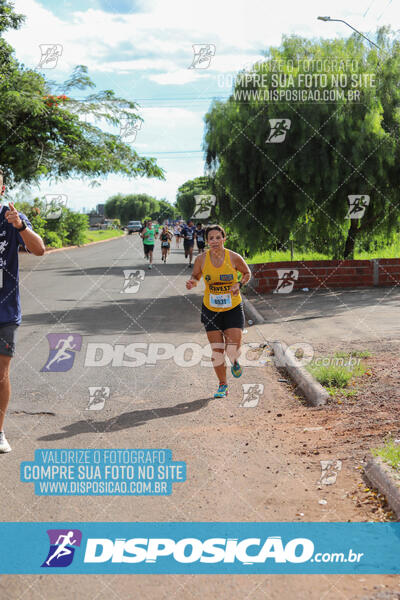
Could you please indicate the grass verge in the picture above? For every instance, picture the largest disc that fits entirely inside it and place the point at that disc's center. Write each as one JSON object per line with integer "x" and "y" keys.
{"x": 101, "y": 234}
{"x": 390, "y": 453}
{"x": 392, "y": 251}
{"x": 335, "y": 373}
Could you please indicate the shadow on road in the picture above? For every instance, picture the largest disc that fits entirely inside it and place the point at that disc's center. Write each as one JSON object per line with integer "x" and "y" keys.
{"x": 169, "y": 269}
{"x": 131, "y": 316}
{"x": 135, "y": 418}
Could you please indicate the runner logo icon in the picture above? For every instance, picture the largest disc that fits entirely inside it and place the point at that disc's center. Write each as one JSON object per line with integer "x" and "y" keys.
{"x": 50, "y": 53}
{"x": 97, "y": 397}
{"x": 286, "y": 281}
{"x": 204, "y": 205}
{"x": 357, "y": 206}
{"x": 251, "y": 394}
{"x": 62, "y": 351}
{"x": 279, "y": 129}
{"x": 54, "y": 206}
{"x": 132, "y": 281}
{"x": 128, "y": 129}
{"x": 62, "y": 547}
{"x": 203, "y": 54}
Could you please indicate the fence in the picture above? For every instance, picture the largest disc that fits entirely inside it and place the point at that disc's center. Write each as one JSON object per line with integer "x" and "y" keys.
{"x": 327, "y": 274}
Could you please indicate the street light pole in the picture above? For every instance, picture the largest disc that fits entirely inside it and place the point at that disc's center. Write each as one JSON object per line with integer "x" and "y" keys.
{"x": 328, "y": 19}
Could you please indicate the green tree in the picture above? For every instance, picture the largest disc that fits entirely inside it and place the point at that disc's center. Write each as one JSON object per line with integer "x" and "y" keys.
{"x": 165, "y": 211}
{"x": 43, "y": 134}
{"x": 270, "y": 193}
{"x": 185, "y": 199}
{"x": 131, "y": 207}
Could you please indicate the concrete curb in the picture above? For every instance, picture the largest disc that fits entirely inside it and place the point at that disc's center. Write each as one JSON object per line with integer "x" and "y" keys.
{"x": 51, "y": 250}
{"x": 381, "y": 477}
{"x": 252, "y": 312}
{"x": 313, "y": 391}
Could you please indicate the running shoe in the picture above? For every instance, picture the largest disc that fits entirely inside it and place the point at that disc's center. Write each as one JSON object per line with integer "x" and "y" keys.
{"x": 222, "y": 391}
{"x": 4, "y": 445}
{"x": 236, "y": 369}
{"x": 149, "y": 266}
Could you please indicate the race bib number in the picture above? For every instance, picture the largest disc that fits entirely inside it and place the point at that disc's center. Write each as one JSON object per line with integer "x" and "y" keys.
{"x": 221, "y": 300}
{"x": 165, "y": 244}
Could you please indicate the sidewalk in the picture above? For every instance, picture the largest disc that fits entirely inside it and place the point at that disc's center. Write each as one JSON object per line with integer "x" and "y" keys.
{"x": 359, "y": 318}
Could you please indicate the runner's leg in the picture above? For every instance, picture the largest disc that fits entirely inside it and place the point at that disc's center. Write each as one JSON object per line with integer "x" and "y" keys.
{"x": 233, "y": 341}
{"x": 5, "y": 388}
{"x": 216, "y": 340}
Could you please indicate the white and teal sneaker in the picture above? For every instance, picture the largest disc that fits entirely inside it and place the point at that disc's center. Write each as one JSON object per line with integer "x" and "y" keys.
{"x": 4, "y": 445}
{"x": 236, "y": 369}
{"x": 222, "y": 391}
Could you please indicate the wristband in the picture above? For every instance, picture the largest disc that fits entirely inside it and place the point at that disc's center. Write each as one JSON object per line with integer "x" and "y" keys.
{"x": 23, "y": 226}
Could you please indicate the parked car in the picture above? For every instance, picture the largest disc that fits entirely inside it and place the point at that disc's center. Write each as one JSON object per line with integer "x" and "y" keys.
{"x": 133, "y": 226}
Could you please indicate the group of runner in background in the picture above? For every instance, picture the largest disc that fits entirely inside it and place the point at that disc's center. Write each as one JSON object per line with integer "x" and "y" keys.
{"x": 224, "y": 273}
{"x": 189, "y": 232}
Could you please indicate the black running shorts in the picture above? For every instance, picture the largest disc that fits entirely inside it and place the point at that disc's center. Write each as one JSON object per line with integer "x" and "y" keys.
{"x": 7, "y": 338}
{"x": 219, "y": 321}
{"x": 148, "y": 247}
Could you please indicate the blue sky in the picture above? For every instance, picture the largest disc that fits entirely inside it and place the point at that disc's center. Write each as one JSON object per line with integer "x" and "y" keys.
{"x": 142, "y": 50}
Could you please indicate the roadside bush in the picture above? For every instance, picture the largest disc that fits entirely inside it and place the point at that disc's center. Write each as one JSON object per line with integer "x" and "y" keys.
{"x": 68, "y": 229}
{"x": 52, "y": 240}
{"x": 76, "y": 225}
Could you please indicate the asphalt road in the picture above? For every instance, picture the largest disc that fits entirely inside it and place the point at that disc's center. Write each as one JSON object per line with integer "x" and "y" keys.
{"x": 242, "y": 463}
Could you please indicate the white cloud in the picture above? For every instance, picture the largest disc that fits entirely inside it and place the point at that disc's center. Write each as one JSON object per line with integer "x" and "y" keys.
{"x": 157, "y": 45}
{"x": 162, "y": 38}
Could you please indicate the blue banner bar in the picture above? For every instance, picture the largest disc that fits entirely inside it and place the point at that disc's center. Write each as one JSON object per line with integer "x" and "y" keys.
{"x": 221, "y": 548}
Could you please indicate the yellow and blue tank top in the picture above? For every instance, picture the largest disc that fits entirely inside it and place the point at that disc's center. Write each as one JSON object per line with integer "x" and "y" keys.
{"x": 218, "y": 281}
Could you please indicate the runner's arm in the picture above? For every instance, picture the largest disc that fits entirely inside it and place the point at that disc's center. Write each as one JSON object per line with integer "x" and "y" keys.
{"x": 240, "y": 265}
{"x": 196, "y": 273}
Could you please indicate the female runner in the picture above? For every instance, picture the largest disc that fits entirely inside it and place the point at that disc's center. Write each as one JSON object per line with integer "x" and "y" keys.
{"x": 222, "y": 311}
{"x": 165, "y": 238}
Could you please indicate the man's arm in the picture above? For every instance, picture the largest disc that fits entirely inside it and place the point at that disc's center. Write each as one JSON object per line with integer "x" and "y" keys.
{"x": 33, "y": 242}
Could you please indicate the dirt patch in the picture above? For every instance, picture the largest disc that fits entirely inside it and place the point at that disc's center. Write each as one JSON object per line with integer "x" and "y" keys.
{"x": 352, "y": 425}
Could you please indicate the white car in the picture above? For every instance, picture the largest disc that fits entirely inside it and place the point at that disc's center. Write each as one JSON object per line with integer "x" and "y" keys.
{"x": 133, "y": 226}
